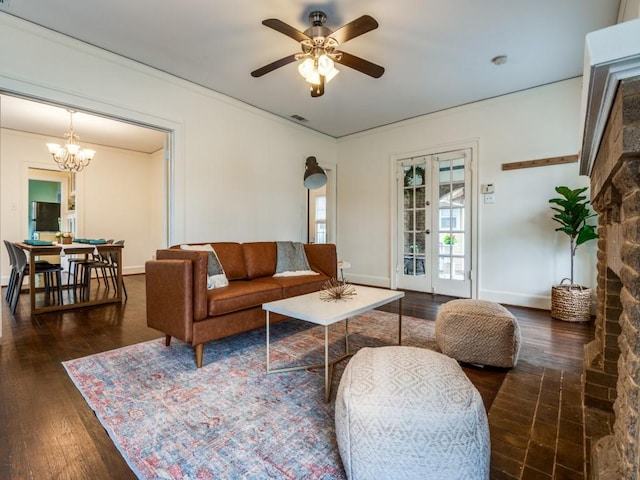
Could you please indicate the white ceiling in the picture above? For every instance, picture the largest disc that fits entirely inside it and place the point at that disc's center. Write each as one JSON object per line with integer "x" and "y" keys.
{"x": 53, "y": 121}
{"x": 437, "y": 53}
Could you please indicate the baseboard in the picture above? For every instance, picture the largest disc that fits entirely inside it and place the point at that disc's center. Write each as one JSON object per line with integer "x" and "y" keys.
{"x": 135, "y": 270}
{"x": 368, "y": 280}
{"x": 541, "y": 302}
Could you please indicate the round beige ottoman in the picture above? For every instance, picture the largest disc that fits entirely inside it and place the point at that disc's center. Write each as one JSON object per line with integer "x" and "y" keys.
{"x": 479, "y": 332}
{"x": 411, "y": 413}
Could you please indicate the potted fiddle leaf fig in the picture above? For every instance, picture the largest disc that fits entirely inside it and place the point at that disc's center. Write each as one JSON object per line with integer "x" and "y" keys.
{"x": 572, "y": 302}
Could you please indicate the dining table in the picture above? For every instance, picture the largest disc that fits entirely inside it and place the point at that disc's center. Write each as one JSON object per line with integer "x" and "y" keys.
{"x": 58, "y": 249}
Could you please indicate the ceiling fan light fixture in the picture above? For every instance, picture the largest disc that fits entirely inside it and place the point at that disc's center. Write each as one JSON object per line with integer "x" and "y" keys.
{"x": 305, "y": 68}
{"x": 314, "y": 77}
{"x": 325, "y": 64}
{"x": 331, "y": 74}
{"x": 319, "y": 50}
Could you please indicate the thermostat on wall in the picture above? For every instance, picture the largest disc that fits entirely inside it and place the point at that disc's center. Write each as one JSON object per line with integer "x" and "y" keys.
{"x": 487, "y": 188}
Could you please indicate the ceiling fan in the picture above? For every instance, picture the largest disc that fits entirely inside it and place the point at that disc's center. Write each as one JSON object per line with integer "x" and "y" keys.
{"x": 319, "y": 50}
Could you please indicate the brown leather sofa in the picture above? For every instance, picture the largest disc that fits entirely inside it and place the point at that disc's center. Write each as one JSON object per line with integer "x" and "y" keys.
{"x": 179, "y": 304}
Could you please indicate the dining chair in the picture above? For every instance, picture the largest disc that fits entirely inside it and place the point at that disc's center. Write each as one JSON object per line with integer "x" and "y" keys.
{"x": 113, "y": 268}
{"x": 48, "y": 270}
{"x": 98, "y": 263}
{"x": 76, "y": 270}
{"x": 12, "y": 276}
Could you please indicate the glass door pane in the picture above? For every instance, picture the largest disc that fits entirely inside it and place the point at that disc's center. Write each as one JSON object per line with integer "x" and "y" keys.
{"x": 453, "y": 224}
{"x": 414, "y": 248}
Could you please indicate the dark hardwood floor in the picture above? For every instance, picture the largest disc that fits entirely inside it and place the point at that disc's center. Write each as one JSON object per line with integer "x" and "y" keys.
{"x": 48, "y": 431}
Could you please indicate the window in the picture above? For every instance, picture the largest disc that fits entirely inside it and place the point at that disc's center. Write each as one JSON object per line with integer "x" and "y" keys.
{"x": 321, "y": 219}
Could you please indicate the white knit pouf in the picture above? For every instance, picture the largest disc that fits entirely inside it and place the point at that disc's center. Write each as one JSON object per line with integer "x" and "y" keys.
{"x": 410, "y": 413}
{"x": 479, "y": 332}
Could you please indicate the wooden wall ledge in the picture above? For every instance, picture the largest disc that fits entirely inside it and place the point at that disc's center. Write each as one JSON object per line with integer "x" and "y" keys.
{"x": 542, "y": 162}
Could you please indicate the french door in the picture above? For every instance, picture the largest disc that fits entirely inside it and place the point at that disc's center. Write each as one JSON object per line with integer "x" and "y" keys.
{"x": 434, "y": 223}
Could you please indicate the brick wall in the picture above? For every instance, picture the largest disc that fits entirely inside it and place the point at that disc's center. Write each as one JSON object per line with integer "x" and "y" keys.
{"x": 612, "y": 360}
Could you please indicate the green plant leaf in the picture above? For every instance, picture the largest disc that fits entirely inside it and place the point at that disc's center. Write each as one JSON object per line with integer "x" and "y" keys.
{"x": 572, "y": 212}
{"x": 587, "y": 233}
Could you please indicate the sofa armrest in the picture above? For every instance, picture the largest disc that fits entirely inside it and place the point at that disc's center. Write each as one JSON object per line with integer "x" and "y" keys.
{"x": 323, "y": 258}
{"x": 199, "y": 261}
{"x": 169, "y": 297}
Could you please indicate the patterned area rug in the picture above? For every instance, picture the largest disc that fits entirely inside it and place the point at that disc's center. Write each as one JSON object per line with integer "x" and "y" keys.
{"x": 229, "y": 419}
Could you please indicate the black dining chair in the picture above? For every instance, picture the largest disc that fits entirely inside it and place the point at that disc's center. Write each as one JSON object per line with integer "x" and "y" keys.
{"x": 105, "y": 265}
{"x": 98, "y": 263}
{"x": 12, "y": 276}
{"x": 48, "y": 270}
{"x": 112, "y": 259}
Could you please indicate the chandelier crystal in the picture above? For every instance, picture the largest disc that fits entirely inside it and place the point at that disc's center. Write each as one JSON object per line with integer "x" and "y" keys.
{"x": 71, "y": 156}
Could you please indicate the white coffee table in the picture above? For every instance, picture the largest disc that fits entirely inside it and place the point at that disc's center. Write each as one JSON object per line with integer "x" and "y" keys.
{"x": 311, "y": 309}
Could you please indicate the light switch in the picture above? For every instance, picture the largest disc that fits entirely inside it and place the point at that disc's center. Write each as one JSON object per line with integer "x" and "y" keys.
{"x": 490, "y": 198}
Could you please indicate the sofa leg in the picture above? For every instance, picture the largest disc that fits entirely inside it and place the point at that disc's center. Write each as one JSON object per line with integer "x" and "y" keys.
{"x": 167, "y": 340}
{"x": 199, "y": 350}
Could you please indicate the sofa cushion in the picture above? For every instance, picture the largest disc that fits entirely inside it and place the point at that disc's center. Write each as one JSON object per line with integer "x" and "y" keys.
{"x": 260, "y": 259}
{"x": 240, "y": 295}
{"x": 297, "y": 285}
{"x": 231, "y": 255}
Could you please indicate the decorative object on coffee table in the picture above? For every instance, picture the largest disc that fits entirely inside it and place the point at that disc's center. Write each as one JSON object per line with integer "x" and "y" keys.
{"x": 572, "y": 302}
{"x": 478, "y": 332}
{"x": 334, "y": 289}
{"x": 412, "y": 413}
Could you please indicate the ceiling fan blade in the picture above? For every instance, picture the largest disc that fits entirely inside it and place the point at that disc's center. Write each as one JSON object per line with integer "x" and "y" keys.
{"x": 273, "y": 65}
{"x": 353, "y": 29}
{"x": 288, "y": 30}
{"x": 360, "y": 64}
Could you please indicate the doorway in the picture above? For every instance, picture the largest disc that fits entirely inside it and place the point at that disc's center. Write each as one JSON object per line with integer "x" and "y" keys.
{"x": 433, "y": 212}
{"x": 123, "y": 194}
{"x": 317, "y": 215}
{"x": 321, "y": 210}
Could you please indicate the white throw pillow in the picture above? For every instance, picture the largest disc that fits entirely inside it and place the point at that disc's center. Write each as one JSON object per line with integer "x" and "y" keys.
{"x": 216, "y": 277}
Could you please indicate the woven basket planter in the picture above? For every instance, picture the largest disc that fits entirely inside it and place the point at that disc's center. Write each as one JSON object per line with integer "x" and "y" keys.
{"x": 571, "y": 303}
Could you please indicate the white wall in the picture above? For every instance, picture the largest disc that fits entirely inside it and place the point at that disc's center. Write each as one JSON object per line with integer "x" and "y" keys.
{"x": 520, "y": 255}
{"x": 237, "y": 172}
{"x": 119, "y": 195}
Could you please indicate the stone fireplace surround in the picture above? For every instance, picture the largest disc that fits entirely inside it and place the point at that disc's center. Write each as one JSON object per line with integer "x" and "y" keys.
{"x": 611, "y": 157}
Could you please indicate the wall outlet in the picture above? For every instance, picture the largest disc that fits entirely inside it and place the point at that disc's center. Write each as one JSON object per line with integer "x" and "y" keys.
{"x": 490, "y": 198}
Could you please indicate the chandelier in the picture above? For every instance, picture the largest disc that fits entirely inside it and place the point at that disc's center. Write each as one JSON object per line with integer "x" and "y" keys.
{"x": 318, "y": 66}
{"x": 70, "y": 156}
